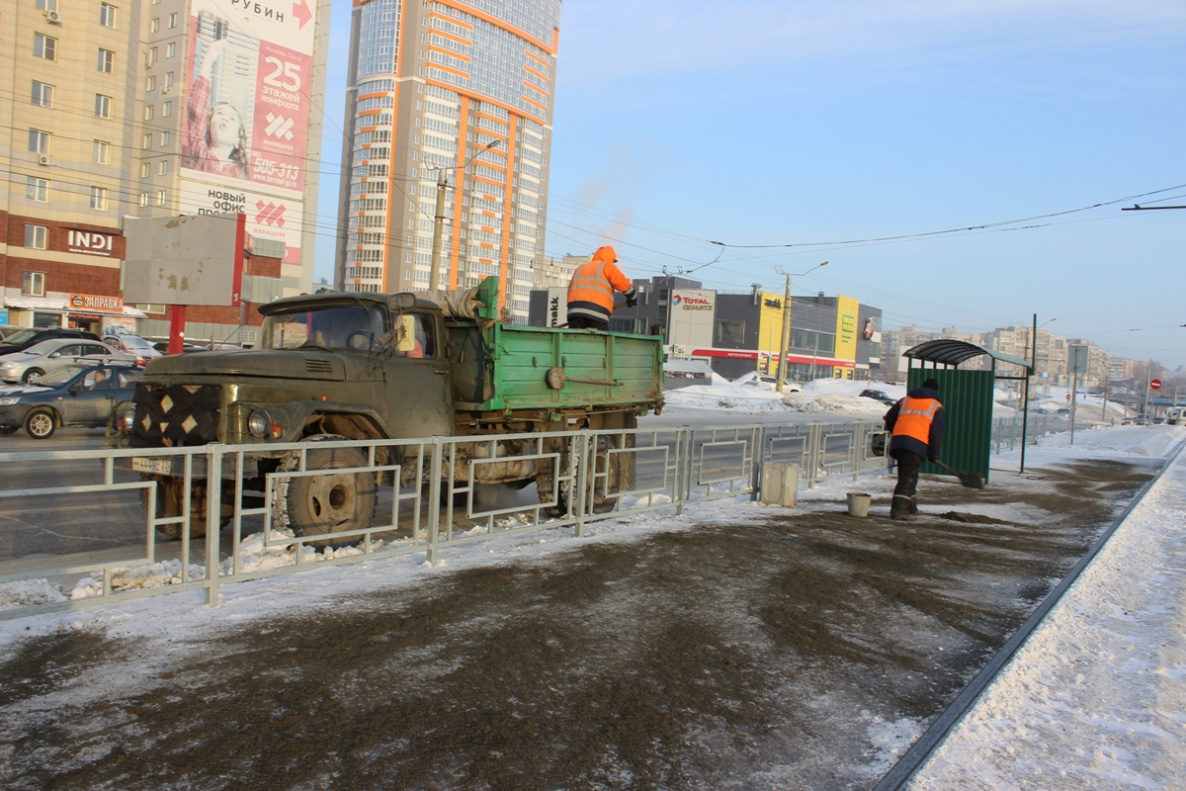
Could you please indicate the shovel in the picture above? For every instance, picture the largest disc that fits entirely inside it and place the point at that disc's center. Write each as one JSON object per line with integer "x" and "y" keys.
{"x": 973, "y": 480}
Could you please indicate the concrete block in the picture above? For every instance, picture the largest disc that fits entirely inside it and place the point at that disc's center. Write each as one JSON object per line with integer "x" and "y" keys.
{"x": 780, "y": 482}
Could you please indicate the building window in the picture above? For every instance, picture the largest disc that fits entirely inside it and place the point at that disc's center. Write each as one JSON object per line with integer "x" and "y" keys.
{"x": 161, "y": 198}
{"x": 45, "y": 47}
{"x": 47, "y": 5}
{"x": 165, "y": 138}
{"x": 731, "y": 334}
{"x": 37, "y": 189}
{"x": 102, "y": 106}
{"x": 168, "y": 79}
{"x": 106, "y": 15}
{"x": 149, "y": 111}
{"x": 36, "y": 236}
{"x": 43, "y": 95}
{"x": 38, "y": 141}
{"x": 173, "y": 20}
{"x": 102, "y": 152}
{"x": 99, "y": 198}
{"x": 170, "y": 49}
{"x": 106, "y": 61}
{"x": 163, "y": 168}
{"x": 166, "y": 109}
{"x": 144, "y": 198}
{"x": 155, "y": 25}
{"x": 145, "y": 170}
{"x": 33, "y": 284}
{"x": 151, "y": 82}
{"x": 146, "y": 140}
{"x": 152, "y": 53}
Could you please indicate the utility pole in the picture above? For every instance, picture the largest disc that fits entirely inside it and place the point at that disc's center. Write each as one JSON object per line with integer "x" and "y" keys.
{"x": 439, "y": 221}
{"x": 785, "y": 346}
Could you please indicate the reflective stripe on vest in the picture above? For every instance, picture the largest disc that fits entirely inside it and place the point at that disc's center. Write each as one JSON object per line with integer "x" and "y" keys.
{"x": 593, "y": 287}
{"x": 915, "y": 417}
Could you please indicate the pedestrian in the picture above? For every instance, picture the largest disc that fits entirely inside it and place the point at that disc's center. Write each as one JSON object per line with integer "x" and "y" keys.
{"x": 591, "y": 291}
{"x": 916, "y": 427}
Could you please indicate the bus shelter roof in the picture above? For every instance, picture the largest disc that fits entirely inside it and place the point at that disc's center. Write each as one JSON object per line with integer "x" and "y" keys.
{"x": 948, "y": 351}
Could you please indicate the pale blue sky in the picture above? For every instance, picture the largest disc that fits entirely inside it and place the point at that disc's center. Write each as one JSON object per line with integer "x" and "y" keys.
{"x": 820, "y": 125}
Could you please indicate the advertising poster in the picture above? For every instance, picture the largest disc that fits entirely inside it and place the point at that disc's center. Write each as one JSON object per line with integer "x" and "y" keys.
{"x": 246, "y": 125}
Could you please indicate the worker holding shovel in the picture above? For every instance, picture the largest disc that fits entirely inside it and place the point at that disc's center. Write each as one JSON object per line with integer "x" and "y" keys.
{"x": 916, "y": 427}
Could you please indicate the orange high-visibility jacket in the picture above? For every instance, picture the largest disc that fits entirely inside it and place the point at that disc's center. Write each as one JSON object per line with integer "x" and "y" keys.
{"x": 915, "y": 417}
{"x": 591, "y": 290}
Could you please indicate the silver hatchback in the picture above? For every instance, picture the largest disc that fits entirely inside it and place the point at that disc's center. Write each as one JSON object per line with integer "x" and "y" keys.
{"x": 54, "y": 355}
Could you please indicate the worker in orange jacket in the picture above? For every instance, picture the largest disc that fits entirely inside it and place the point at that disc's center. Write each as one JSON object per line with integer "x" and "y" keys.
{"x": 591, "y": 291}
{"x": 916, "y": 426}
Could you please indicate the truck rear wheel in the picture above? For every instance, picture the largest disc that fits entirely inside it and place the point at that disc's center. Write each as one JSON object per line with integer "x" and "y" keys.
{"x": 329, "y": 502}
{"x": 605, "y": 478}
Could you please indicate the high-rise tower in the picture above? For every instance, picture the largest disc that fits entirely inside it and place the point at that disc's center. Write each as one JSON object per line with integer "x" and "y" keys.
{"x": 457, "y": 92}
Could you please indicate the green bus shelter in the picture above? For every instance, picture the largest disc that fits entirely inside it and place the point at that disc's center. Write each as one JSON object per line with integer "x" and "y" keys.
{"x": 967, "y": 397}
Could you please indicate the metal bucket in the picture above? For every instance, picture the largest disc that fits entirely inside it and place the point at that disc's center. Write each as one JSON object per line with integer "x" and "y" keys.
{"x": 858, "y": 504}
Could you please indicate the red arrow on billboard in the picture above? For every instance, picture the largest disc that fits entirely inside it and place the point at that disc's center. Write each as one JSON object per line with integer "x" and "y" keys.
{"x": 301, "y": 11}
{"x": 1155, "y": 384}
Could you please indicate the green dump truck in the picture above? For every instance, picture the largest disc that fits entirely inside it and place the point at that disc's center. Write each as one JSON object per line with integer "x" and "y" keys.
{"x": 373, "y": 366}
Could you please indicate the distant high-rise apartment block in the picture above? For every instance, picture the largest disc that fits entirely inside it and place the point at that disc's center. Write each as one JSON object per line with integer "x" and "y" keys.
{"x": 144, "y": 109}
{"x": 452, "y": 92}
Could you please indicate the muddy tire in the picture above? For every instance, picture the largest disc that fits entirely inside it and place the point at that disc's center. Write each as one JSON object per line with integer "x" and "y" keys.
{"x": 169, "y": 499}
{"x": 607, "y": 476}
{"x": 329, "y": 502}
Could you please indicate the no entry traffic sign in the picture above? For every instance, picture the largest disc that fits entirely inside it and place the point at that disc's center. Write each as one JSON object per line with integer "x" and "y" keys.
{"x": 1155, "y": 384}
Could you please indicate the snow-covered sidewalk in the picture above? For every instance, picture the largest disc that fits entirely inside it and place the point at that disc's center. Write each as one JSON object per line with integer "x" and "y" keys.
{"x": 1096, "y": 697}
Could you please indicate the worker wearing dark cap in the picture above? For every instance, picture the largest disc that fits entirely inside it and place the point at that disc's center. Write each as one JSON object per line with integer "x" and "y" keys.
{"x": 916, "y": 427}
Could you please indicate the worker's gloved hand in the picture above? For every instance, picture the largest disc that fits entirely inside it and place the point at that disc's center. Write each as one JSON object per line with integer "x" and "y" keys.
{"x": 631, "y": 300}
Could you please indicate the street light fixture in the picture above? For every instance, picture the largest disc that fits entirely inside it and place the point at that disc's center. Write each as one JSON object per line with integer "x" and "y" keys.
{"x": 439, "y": 220}
{"x": 786, "y": 327}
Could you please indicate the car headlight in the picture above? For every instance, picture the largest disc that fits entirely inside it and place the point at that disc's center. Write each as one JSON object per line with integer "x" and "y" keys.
{"x": 8, "y": 366}
{"x": 9, "y": 400}
{"x": 261, "y": 424}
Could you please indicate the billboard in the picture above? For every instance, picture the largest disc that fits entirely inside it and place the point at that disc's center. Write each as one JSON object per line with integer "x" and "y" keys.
{"x": 184, "y": 260}
{"x": 245, "y": 134}
{"x": 691, "y": 316}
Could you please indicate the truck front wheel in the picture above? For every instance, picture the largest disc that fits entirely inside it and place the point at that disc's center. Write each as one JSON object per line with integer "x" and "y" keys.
{"x": 328, "y": 501}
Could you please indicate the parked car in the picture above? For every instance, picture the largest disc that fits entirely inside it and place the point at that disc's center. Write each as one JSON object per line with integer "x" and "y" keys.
{"x": 766, "y": 382}
{"x": 77, "y": 396}
{"x": 29, "y": 336}
{"x": 53, "y": 355}
{"x": 8, "y": 330}
{"x": 879, "y": 395}
{"x": 141, "y": 349}
{"x": 162, "y": 347}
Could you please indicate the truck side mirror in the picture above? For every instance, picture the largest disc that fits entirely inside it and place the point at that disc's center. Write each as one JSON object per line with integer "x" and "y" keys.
{"x": 398, "y": 303}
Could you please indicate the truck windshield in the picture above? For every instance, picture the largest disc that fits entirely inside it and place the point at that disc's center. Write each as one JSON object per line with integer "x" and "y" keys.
{"x": 351, "y": 327}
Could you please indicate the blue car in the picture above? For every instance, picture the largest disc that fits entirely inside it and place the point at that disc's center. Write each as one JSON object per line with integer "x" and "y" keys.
{"x": 81, "y": 396}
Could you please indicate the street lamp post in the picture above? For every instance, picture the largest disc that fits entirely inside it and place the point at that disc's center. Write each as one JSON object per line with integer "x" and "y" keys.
{"x": 786, "y": 327}
{"x": 439, "y": 220}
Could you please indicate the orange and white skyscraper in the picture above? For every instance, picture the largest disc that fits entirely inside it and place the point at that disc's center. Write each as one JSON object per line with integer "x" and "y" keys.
{"x": 456, "y": 93}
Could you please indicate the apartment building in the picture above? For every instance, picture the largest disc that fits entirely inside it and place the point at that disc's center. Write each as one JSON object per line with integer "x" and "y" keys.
{"x": 146, "y": 109}
{"x": 448, "y": 138}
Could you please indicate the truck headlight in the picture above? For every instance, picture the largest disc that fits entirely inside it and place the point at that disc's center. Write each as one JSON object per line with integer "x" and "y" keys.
{"x": 259, "y": 423}
{"x": 125, "y": 418}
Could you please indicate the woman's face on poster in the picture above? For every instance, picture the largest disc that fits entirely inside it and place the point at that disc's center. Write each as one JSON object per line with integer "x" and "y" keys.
{"x": 224, "y": 125}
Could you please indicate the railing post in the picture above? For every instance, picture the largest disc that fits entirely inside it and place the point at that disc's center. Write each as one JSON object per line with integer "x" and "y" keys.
{"x": 813, "y": 454}
{"x": 584, "y": 478}
{"x": 759, "y": 462}
{"x": 434, "y": 501}
{"x": 213, "y": 523}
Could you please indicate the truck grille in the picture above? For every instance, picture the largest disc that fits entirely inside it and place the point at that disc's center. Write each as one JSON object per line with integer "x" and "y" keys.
{"x": 175, "y": 416}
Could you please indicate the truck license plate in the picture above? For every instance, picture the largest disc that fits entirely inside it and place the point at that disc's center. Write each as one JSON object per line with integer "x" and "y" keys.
{"x": 161, "y": 466}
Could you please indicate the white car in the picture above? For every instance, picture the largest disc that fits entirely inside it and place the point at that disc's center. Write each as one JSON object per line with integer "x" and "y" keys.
{"x": 766, "y": 382}
{"x": 54, "y": 355}
{"x": 132, "y": 344}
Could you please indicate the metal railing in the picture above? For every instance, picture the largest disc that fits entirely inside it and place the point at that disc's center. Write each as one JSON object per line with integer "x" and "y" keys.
{"x": 108, "y": 518}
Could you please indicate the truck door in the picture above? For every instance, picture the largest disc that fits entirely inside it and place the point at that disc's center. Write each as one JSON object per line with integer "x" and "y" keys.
{"x": 419, "y": 387}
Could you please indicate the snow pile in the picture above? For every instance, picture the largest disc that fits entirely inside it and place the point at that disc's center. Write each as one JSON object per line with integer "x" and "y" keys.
{"x": 28, "y": 593}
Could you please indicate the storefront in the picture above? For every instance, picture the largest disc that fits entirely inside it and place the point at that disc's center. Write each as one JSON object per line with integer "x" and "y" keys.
{"x": 94, "y": 312}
